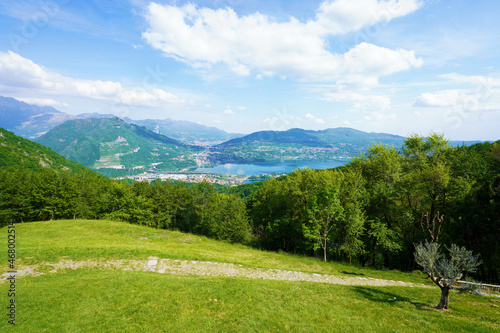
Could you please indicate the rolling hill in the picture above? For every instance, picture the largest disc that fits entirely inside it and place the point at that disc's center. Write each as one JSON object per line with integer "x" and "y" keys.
{"x": 299, "y": 144}
{"x": 104, "y": 276}
{"x": 17, "y": 152}
{"x": 111, "y": 146}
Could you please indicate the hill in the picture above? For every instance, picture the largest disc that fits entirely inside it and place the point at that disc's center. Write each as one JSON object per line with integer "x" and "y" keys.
{"x": 111, "y": 146}
{"x": 110, "y": 276}
{"x": 17, "y": 152}
{"x": 299, "y": 144}
{"x": 186, "y": 131}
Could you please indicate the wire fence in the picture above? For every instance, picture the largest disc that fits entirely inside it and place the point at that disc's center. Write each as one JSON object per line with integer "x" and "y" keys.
{"x": 482, "y": 286}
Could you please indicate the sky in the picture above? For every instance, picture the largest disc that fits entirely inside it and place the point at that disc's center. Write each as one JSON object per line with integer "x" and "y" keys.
{"x": 401, "y": 67}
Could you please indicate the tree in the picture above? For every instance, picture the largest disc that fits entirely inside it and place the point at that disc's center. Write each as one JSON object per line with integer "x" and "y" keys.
{"x": 324, "y": 213}
{"x": 445, "y": 272}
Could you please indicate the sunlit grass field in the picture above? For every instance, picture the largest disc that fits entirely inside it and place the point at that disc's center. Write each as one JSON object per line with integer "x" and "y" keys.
{"x": 88, "y": 300}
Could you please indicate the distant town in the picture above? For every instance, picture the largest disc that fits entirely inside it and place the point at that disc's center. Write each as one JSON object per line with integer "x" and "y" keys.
{"x": 213, "y": 178}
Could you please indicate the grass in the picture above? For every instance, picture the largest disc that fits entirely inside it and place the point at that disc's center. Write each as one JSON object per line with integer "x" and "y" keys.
{"x": 87, "y": 300}
{"x": 81, "y": 240}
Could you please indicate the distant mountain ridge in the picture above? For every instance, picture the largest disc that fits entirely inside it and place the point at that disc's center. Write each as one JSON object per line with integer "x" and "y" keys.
{"x": 32, "y": 121}
{"x": 186, "y": 131}
{"x": 112, "y": 146}
{"x": 29, "y": 121}
{"x": 296, "y": 144}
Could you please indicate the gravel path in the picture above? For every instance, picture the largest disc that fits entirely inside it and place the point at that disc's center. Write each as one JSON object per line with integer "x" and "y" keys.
{"x": 208, "y": 268}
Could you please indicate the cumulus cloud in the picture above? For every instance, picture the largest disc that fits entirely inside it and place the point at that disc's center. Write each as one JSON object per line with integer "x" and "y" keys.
{"x": 203, "y": 37}
{"x": 477, "y": 92}
{"x": 359, "y": 101}
{"x": 19, "y": 72}
{"x": 228, "y": 111}
{"x": 41, "y": 101}
{"x": 313, "y": 118}
{"x": 342, "y": 16}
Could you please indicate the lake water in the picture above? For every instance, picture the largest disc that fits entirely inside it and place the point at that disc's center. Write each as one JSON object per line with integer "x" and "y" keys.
{"x": 270, "y": 167}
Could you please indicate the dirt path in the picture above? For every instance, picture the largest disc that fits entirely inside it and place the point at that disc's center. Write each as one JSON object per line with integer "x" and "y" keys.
{"x": 205, "y": 268}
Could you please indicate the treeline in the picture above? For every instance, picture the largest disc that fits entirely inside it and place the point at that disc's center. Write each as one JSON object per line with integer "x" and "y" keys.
{"x": 46, "y": 195}
{"x": 371, "y": 211}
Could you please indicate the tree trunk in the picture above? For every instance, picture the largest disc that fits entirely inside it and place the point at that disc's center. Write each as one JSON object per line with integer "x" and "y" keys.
{"x": 324, "y": 249}
{"x": 445, "y": 294}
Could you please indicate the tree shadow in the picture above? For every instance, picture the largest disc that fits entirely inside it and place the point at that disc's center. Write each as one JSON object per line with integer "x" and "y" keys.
{"x": 379, "y": 296}
{"x": 352, "y": 273}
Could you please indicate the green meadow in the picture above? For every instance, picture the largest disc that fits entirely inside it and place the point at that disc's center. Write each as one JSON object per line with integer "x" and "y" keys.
{"x": 105, "y": 300}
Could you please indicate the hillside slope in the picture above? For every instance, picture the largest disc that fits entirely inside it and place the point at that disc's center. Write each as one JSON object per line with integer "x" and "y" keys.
{"x": 17, "y": 152}
{"x": 299, "y": 144}
{"x": 110, "y": 144}
{"x": 74, "y": 276}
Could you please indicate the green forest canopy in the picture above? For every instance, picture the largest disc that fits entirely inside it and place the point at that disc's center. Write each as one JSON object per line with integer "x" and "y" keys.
{"x": 374, "y": 206}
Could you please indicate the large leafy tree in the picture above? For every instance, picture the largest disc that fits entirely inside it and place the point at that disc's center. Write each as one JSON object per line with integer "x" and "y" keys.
{"x": 325, "y": 213}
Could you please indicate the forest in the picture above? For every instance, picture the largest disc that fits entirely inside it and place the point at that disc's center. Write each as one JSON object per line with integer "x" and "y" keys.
{"x": 370, "y": 212}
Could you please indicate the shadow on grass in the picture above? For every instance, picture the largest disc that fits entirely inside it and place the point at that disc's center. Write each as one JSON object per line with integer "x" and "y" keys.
{"x": 379, "y": 296}
{"x": 352, "y": 273}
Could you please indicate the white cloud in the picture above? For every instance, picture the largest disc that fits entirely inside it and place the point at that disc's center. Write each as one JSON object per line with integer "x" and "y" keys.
{"x": 203, "y": 37}
{"x": 242, "y": 108}
{"x": 347, "y": 122}
{"x": 41, "y": 101}
{"x": 217, "y": 121}
{"x": 228, "y": 111}
{"x": 359, "y": 101}
{"x": 342, "y": 16}
{"x": 479, "y": 92}
{"x": 19, "y": 72}
{"x": 444, "y": 98}
{"x": 316, "y": 120}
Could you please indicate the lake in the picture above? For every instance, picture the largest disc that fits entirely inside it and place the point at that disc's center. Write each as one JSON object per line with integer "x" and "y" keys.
{"x": 270, "y": 167}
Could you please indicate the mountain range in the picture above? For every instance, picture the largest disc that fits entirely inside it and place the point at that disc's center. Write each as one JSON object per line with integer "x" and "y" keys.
{"x": 32, "y": 121}
{"x": 115, "y": 146}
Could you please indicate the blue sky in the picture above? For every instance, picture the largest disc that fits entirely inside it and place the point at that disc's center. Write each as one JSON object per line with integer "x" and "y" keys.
{"x": 402, "y": 67}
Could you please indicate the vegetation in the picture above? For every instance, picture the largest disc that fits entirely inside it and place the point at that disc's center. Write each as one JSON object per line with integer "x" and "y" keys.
{"x": 371, "y": 212}
{"x": 113, "y": 147}
{"x": 104, "y": 300}
{"x": 297, "y": 144}
{"x": 445, "y": 272}
{"x": 19, "y": 153}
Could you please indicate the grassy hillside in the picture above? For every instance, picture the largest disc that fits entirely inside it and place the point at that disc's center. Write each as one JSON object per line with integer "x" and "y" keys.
{"x": 17, "y": 152}
{"x": 299, "y": 144}
{"x": 115, "y": 300}
{"x": 110, "y": 144}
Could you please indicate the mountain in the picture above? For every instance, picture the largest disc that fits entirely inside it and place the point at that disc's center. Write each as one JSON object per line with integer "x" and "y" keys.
{"x": 186, "y": 131}
{"x": 17, "y": 152}
{"x": 29, "y": 121}
{"x": 296, "y": 144}
{"x": 113, "y": 147}
{"x": 32, "y": 121}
